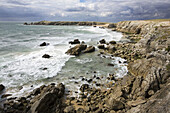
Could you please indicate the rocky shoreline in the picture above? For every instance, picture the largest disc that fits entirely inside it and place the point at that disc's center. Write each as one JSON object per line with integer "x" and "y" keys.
{"x": 145, "y": 89}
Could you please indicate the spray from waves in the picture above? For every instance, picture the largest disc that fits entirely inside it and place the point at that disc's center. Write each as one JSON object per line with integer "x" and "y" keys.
{"x": 104, "y": 33}
{"x": 29, "y": 67}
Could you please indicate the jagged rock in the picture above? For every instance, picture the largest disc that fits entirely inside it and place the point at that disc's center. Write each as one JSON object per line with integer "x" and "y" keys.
{"x": 103, "y": 41}
{"x": 150, "y": 72}
{"x": 77, "y": 49}
{"x": 89, "y": 49}
{"x": 44, "y": 44}
{"x": 49, "y": 100}
{"x": 2, "y": 87}
{"x": 159, "y": 102}
{"x": 76, "y": 41}
{"x": 101, "y": 46}
{"x": 46, "y": 56}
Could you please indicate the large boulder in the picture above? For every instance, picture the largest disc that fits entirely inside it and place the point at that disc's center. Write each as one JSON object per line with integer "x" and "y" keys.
{"x": 49, "y": 101}
{"x": 76, "y": 41}
{"x": 76, "y": 50}
{"x": 89, "y": 49}
{"x": 150, "y": 75}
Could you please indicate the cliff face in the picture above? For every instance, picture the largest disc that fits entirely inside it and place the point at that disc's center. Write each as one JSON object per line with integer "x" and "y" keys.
{"x": 152, "y": 71}
{"x": 140, "y": 27}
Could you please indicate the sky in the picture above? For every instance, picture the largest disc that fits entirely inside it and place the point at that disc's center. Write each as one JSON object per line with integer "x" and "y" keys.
{"x": 83, "y": 10}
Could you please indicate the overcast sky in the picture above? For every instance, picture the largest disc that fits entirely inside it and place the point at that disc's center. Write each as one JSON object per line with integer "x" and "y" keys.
{"x": 83, "y": 10}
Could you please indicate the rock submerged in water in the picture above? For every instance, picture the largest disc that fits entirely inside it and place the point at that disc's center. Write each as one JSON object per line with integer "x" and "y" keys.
{"x": 76, "y": 41}
{"x": 76, "y": 50}
{"x": 46, "y": 56}
{"x": 44, "y": 44}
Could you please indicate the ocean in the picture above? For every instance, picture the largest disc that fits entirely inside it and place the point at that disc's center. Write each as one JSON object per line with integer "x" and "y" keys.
{"x": 23, "y": 69}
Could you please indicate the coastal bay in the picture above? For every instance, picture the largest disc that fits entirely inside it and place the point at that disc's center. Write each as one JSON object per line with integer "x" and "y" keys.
{"x": 147, "y": 55}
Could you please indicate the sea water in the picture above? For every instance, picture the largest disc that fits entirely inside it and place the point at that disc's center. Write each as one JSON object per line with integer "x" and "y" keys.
{"x": 23, "y": 69}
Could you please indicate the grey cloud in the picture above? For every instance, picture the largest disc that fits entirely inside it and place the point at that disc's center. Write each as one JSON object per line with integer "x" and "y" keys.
{"x": 91, "y": 10}
{"x": 16, "y": 2}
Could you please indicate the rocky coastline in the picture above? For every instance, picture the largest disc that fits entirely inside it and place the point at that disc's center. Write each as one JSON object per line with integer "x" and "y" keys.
{"x": 145, "y": 89}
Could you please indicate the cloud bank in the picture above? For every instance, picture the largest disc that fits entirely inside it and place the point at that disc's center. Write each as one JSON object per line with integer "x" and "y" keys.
{"x": 83, "y": 10}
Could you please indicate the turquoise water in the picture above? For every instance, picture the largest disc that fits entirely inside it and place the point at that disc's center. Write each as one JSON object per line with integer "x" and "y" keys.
{"x": 22, "y": 65}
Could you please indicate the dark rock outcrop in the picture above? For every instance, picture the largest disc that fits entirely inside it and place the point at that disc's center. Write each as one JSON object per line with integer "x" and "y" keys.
{"x": 76, "y": 50}
{"x": 48, "y": 99}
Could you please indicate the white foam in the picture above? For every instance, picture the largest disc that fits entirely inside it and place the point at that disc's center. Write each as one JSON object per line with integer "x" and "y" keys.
{"x": 27, "y": 67}
{"x": 83, "y": 61}
{"x": 121, "y": 70}
{"x": 107, "y": 34}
